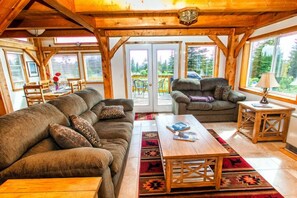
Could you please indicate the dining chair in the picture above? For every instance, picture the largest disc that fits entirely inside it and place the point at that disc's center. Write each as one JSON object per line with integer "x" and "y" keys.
{"x": 69, "y": 80}
{"x": 34, "y": 94}
{"x": 161, "y": 86}
{"x": 140, "y": 86}
{"x": 82, "y": 84}
{"x": 45, "y": 84}
{"x": 75, "y": 86}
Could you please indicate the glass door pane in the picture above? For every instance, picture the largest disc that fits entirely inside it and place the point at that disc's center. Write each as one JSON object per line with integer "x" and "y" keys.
{"x": 165, "y": 68}
{"x": 138, "y": 65}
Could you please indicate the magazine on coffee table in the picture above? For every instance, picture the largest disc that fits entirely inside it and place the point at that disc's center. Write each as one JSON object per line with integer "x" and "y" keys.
{"x": 178, "y": 126}
{"x": 186, "y": 136}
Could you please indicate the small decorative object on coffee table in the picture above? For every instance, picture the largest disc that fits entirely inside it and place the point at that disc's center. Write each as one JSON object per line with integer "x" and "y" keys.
{"x": 185, "y": 136}
{"x": 178, "y": 126}
{"x": 263, "y": 122}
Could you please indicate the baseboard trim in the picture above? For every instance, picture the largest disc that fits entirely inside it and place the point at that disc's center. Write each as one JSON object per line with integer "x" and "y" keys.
{"x": 287, "y": 151}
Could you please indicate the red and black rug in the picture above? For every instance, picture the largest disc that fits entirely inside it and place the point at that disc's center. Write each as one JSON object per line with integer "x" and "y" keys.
{"x": 145, "y": 116}
{"x": 239, "y": 179}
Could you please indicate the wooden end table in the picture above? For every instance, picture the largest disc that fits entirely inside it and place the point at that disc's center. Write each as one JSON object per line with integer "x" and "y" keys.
{"x": 82, "y": 187}
{"x": 190, "y": 164}
{"x": 263, "y": 123}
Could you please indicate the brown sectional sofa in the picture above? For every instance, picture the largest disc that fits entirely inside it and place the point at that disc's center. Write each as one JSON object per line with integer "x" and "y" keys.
{"x": 28, "y": 151}
{"x": 216, "y": 111}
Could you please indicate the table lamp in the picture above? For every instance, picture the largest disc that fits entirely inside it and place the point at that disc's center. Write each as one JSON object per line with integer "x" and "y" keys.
{"x": 267, "y": 81}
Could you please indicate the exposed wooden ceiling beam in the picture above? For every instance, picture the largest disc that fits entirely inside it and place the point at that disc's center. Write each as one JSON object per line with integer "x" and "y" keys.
{"x": 50, "y": 23}
{"x": 32, "y": 56}
{"x": 270, "y": 18}
{"x": 242, "y": 42}
{"x": 86, "y": 23}
{"x": 169, "y": 32}
{"x": 173, "y": 22}
{"x": 16, "y": 44}
{"x": 9, "y": 10}
{"x": 219, "y": 43}
{"x": 76, "y": 48}
{"x": 209, "y": 5}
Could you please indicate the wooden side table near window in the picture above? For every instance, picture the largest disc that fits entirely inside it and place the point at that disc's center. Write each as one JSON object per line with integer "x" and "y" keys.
{"x": 81, "y": 187}
{"x": 268, "y": 122}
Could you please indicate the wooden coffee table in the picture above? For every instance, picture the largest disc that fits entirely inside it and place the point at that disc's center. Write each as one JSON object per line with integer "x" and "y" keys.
{"x": 190, "y": 164}
{"x": 82, "y": 187}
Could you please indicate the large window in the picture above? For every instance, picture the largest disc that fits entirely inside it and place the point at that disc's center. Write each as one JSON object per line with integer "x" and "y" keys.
{"x": 66, "y": 64}
{"x": 278, "y": 55}
{"x": 201, "y": 60}
{"x": 93, "y": 67}
{"x": 15, "y": 68}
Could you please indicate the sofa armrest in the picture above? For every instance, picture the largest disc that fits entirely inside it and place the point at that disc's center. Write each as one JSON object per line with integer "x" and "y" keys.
{"x": 180, "y": 97}
{"x": 77, "y": 162}
{"x": 236, "y": 96}
{"x": 128, "y": 104}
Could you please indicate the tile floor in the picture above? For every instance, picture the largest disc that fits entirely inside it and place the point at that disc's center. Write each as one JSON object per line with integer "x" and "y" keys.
{"x": 277, "y": 168}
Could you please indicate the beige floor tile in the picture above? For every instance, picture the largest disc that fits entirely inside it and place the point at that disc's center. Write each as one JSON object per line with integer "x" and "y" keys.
{"x": 282, "y": 180}
{"x": 134, "y": 150}
{"x": 132, "y": 167}
{"x": 135, "y": 139}
{"x": 129, "y": 187}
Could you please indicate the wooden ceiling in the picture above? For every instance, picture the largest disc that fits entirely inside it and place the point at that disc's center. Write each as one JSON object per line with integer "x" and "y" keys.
{"x": 138, "y": 17}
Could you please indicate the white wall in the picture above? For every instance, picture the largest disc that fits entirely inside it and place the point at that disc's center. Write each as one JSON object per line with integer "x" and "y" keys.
{"x": 117, "y": 62}
{"x": 17, "y": 97}
{"x": 292, "y": 136}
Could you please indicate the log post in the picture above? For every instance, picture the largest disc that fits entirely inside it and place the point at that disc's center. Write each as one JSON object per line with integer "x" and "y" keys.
{"x": 103, "y": 42}
{"x": 230, "y": 69}
{"x": 40, "y": 57}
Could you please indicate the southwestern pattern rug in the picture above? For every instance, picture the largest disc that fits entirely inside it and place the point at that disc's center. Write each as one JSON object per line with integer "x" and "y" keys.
{"x": 145, "y": 116}
{"x": 239, "y": 179}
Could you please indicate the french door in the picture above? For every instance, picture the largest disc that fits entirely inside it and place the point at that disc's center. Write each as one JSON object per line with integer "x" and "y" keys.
{"x": 150, "y": 71}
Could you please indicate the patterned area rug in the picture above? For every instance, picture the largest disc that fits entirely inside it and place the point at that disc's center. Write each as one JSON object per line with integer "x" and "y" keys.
{"x": 145, "y": 116}
{"x": 239, "y": 179}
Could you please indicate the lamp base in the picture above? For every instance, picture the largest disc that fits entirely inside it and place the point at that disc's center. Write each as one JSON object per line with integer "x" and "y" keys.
{"x": 264, "y": 99}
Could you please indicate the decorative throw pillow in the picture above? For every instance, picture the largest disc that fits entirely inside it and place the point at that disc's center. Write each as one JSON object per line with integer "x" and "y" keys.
{"x": 112, "y": 111}
{"x": 86, "y": 129}
{"x": 222, "y": 92}
{"x": 67, "y": 138}
{"x": 201, "y": 98}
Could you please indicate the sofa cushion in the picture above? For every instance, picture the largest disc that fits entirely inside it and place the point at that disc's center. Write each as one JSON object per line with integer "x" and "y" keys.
{"x": 90, "y": 96}
{"x": 128, "y": 104}
{"x": 222, "y": 92}
{"x": 77, "y": 162}
{"x": 180, "y": 97}
{"x": 86, "y": 129}
{"x": 89, "y": 116}
{"x": 118, "y": 148}
{"x": 67, "y": 138}
{"x": 45, "y": 145}
{"x": 222, "y": 105}
{"x": 112, "y": 130}
{"x": 111, "y": 112}
{"x": 199, "y": 106}
{"x": 98, "y": 108}
{"x": 209, "y": 84}
{"x": 70, "y": 104}
{"x": 23, "y": 129}
{"x": 185, "y": 84}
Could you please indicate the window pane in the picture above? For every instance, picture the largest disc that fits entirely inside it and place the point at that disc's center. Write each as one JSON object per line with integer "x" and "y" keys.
{"x": 16, "y": 68}
{"x": 93, "y": 66}
{"x": 260, "y": 60}
{"x": 66, "y": 64}
{"x": 285, "y": 68}
{"x": 277, "y": 55}
{"x": 201, "y": 60}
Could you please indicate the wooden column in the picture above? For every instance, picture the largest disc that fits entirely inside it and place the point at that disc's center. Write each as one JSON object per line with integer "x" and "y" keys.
{"x": 40, "y": 57}
{"x": 230, "y": 69}
{"x": 103, "y": 42}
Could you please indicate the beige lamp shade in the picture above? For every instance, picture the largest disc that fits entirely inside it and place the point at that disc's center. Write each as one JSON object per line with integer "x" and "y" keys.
{"x": 267, "y": 80}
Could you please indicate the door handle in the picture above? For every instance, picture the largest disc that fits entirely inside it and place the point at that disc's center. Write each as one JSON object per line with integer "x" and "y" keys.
{"x": 150, "y": 84}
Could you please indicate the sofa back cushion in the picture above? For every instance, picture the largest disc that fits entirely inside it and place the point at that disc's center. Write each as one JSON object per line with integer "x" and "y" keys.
{"x": 209, "y": 84}
{"x": 71, "y": 104}
{"x": 23, "y": 129}
{"x": 90, "y": 96}
{"x": 186, "y": 84}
